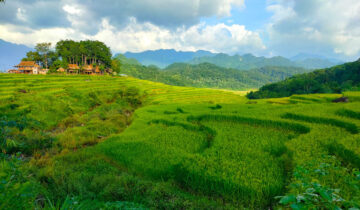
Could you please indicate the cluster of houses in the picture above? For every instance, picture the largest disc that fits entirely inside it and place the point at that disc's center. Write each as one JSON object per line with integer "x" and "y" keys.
{"x": 31, "y": 67}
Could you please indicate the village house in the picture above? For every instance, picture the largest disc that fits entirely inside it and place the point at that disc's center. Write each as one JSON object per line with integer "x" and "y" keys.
{"x": 31, "y": 67}
{"x": 43, "y": 71}
{"x": 61, "y": 70}
{"x": 73, "y": 69}
{"x": 13, "y": 71}
{"x": 27, "y": 67}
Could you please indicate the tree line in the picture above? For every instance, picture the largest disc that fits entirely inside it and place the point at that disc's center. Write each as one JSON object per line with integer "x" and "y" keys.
{"x": 66, "y": 52}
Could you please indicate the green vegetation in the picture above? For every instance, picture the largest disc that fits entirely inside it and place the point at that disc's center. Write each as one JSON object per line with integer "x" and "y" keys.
{"x": 207, "y": 75}
{"x": 332, "y": 80}
{"x": 101, "y": 142}
{"x": 71, "y": 52}
{"x": 249, "y": 61}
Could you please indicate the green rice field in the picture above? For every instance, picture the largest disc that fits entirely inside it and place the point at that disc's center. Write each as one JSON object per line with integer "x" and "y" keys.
{"x": 101, "y": 142}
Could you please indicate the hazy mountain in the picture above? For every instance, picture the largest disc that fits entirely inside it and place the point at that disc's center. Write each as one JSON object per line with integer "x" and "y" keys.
{"x": 163, "y": 58}
{"x": 249, "y": 61}
{"x": 11, "y": 54}
{"x": 124, "y": 60}
{"x": 208, "y": 75}
{"x": 313, "y": 61}
{"x": 244, "y": 62}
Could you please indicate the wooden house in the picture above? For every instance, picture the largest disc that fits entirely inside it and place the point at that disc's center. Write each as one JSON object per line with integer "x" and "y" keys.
{"x": 27, "y": 67}
{"x": 97, "y": 70}
{"x": 88, "y": 69}
{"x": 91, "y": 70}
{"x": 61, "y": 70}
{"x": 43, "y": 71}
{"x": 73, "y": 69}
{"x": 13, "y": 71}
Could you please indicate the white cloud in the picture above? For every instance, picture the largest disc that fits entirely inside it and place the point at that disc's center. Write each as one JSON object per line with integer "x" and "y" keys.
{"x": 318, "y": 26}
{"x": 167, "y": 13}
{"x": 21, "y": 14}
{"x": 29, "y": 37}
{"x": 137, "y": 37}
{"x": 146, "y": 36}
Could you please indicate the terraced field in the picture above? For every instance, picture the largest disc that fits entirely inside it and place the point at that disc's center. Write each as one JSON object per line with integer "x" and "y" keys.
{"x": 109, "y": 142}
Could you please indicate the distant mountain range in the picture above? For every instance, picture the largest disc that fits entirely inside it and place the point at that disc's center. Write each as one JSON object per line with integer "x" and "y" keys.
{"x": 163, "y": 58}
{"x": 249, "y": 61}
{"x": 11, "y": 54}
{"x": 208, "y": 75}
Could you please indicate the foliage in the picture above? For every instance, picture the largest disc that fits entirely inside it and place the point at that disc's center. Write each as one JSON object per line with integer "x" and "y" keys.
{"x": 43, "y": 49}
{"x": 332, "y": 80}
{"x": 84, "y": 52}
{"x": 308, "y": 193}
{"x": 208, "y": 75}
{"x": 249, "y": 61}
{"x": 101, "y": 142}
{"x": 17, "y": 191}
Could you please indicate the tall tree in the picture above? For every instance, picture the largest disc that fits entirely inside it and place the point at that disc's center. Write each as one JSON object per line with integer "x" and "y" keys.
{"x": 33, "y": 56}
{"x": 43, "y": 49}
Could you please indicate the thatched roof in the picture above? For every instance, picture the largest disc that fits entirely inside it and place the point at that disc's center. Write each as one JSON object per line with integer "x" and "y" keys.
{"x": 27, "y": 64}
{"x": 73, "y": 66}
{"x": 88, "y": 67}
{"x": 12, "y": 71}
{"x": 60, "y": 69}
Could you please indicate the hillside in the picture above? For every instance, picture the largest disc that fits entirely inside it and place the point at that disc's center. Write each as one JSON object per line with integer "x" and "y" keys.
{"x": 11, "y": 54}
{"x": 163, "y": 58}
{"x": 332, "y": 80}
{"x": 209, "y": 75}
{"x": 248, "y": 61}
{"x": 101, "y": 142}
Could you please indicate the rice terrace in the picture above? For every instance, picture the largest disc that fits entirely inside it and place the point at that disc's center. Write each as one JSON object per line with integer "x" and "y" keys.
{"x": 106, "y": 138}
{"x": 181, "y": 104}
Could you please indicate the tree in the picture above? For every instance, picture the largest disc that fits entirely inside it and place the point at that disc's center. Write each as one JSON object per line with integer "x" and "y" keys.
{"x": 33, "y": 56}
{"x": 84, "y": 52}
{"x": 116, "y": 65}
{"x": 43, "y": 49}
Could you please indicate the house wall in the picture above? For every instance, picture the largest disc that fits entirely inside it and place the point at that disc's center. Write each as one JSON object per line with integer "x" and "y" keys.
{"x": 35, "y": 70}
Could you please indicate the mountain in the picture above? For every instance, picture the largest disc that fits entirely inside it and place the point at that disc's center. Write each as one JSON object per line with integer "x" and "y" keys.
{"x": 11, "y": 54}
{"x": 331, "y": 80}
{"x": 249, "y": 61}
{"x": 127, "y": 61}
{"x": 314, "y": 61}
{"x": 244, "y": 62}
{"x": 163, "y": 58}
{"x": 209, "y": 75}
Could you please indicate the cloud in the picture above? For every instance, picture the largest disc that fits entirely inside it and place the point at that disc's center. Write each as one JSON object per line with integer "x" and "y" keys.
{"x": 316, "y": 26}
{"x": 137, "y": 36}
{"x": 78, "y": 13}
{"x": 33, "y": 13}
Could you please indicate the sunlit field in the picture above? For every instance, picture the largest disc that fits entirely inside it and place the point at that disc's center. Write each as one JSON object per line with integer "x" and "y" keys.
{"x": 90, "y": 142}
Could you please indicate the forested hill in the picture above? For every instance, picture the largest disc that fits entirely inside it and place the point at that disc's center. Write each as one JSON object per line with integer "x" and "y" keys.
{"x": 163, "y": 58}
{"x": 331, "y": 80}
{"x": 209, "y": 75}
{"x": 249, "y": 61}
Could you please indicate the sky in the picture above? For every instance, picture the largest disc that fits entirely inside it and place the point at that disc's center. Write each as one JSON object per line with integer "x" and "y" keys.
{"x": 329, "y": 28}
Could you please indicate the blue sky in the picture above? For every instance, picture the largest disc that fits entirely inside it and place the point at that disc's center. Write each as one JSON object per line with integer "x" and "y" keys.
{"x": 328, "y": 28}
{"x": 254, "y": 16}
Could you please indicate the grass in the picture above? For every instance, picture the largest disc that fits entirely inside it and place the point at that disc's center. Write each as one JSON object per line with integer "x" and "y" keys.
{"x": 88, "y": 142}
